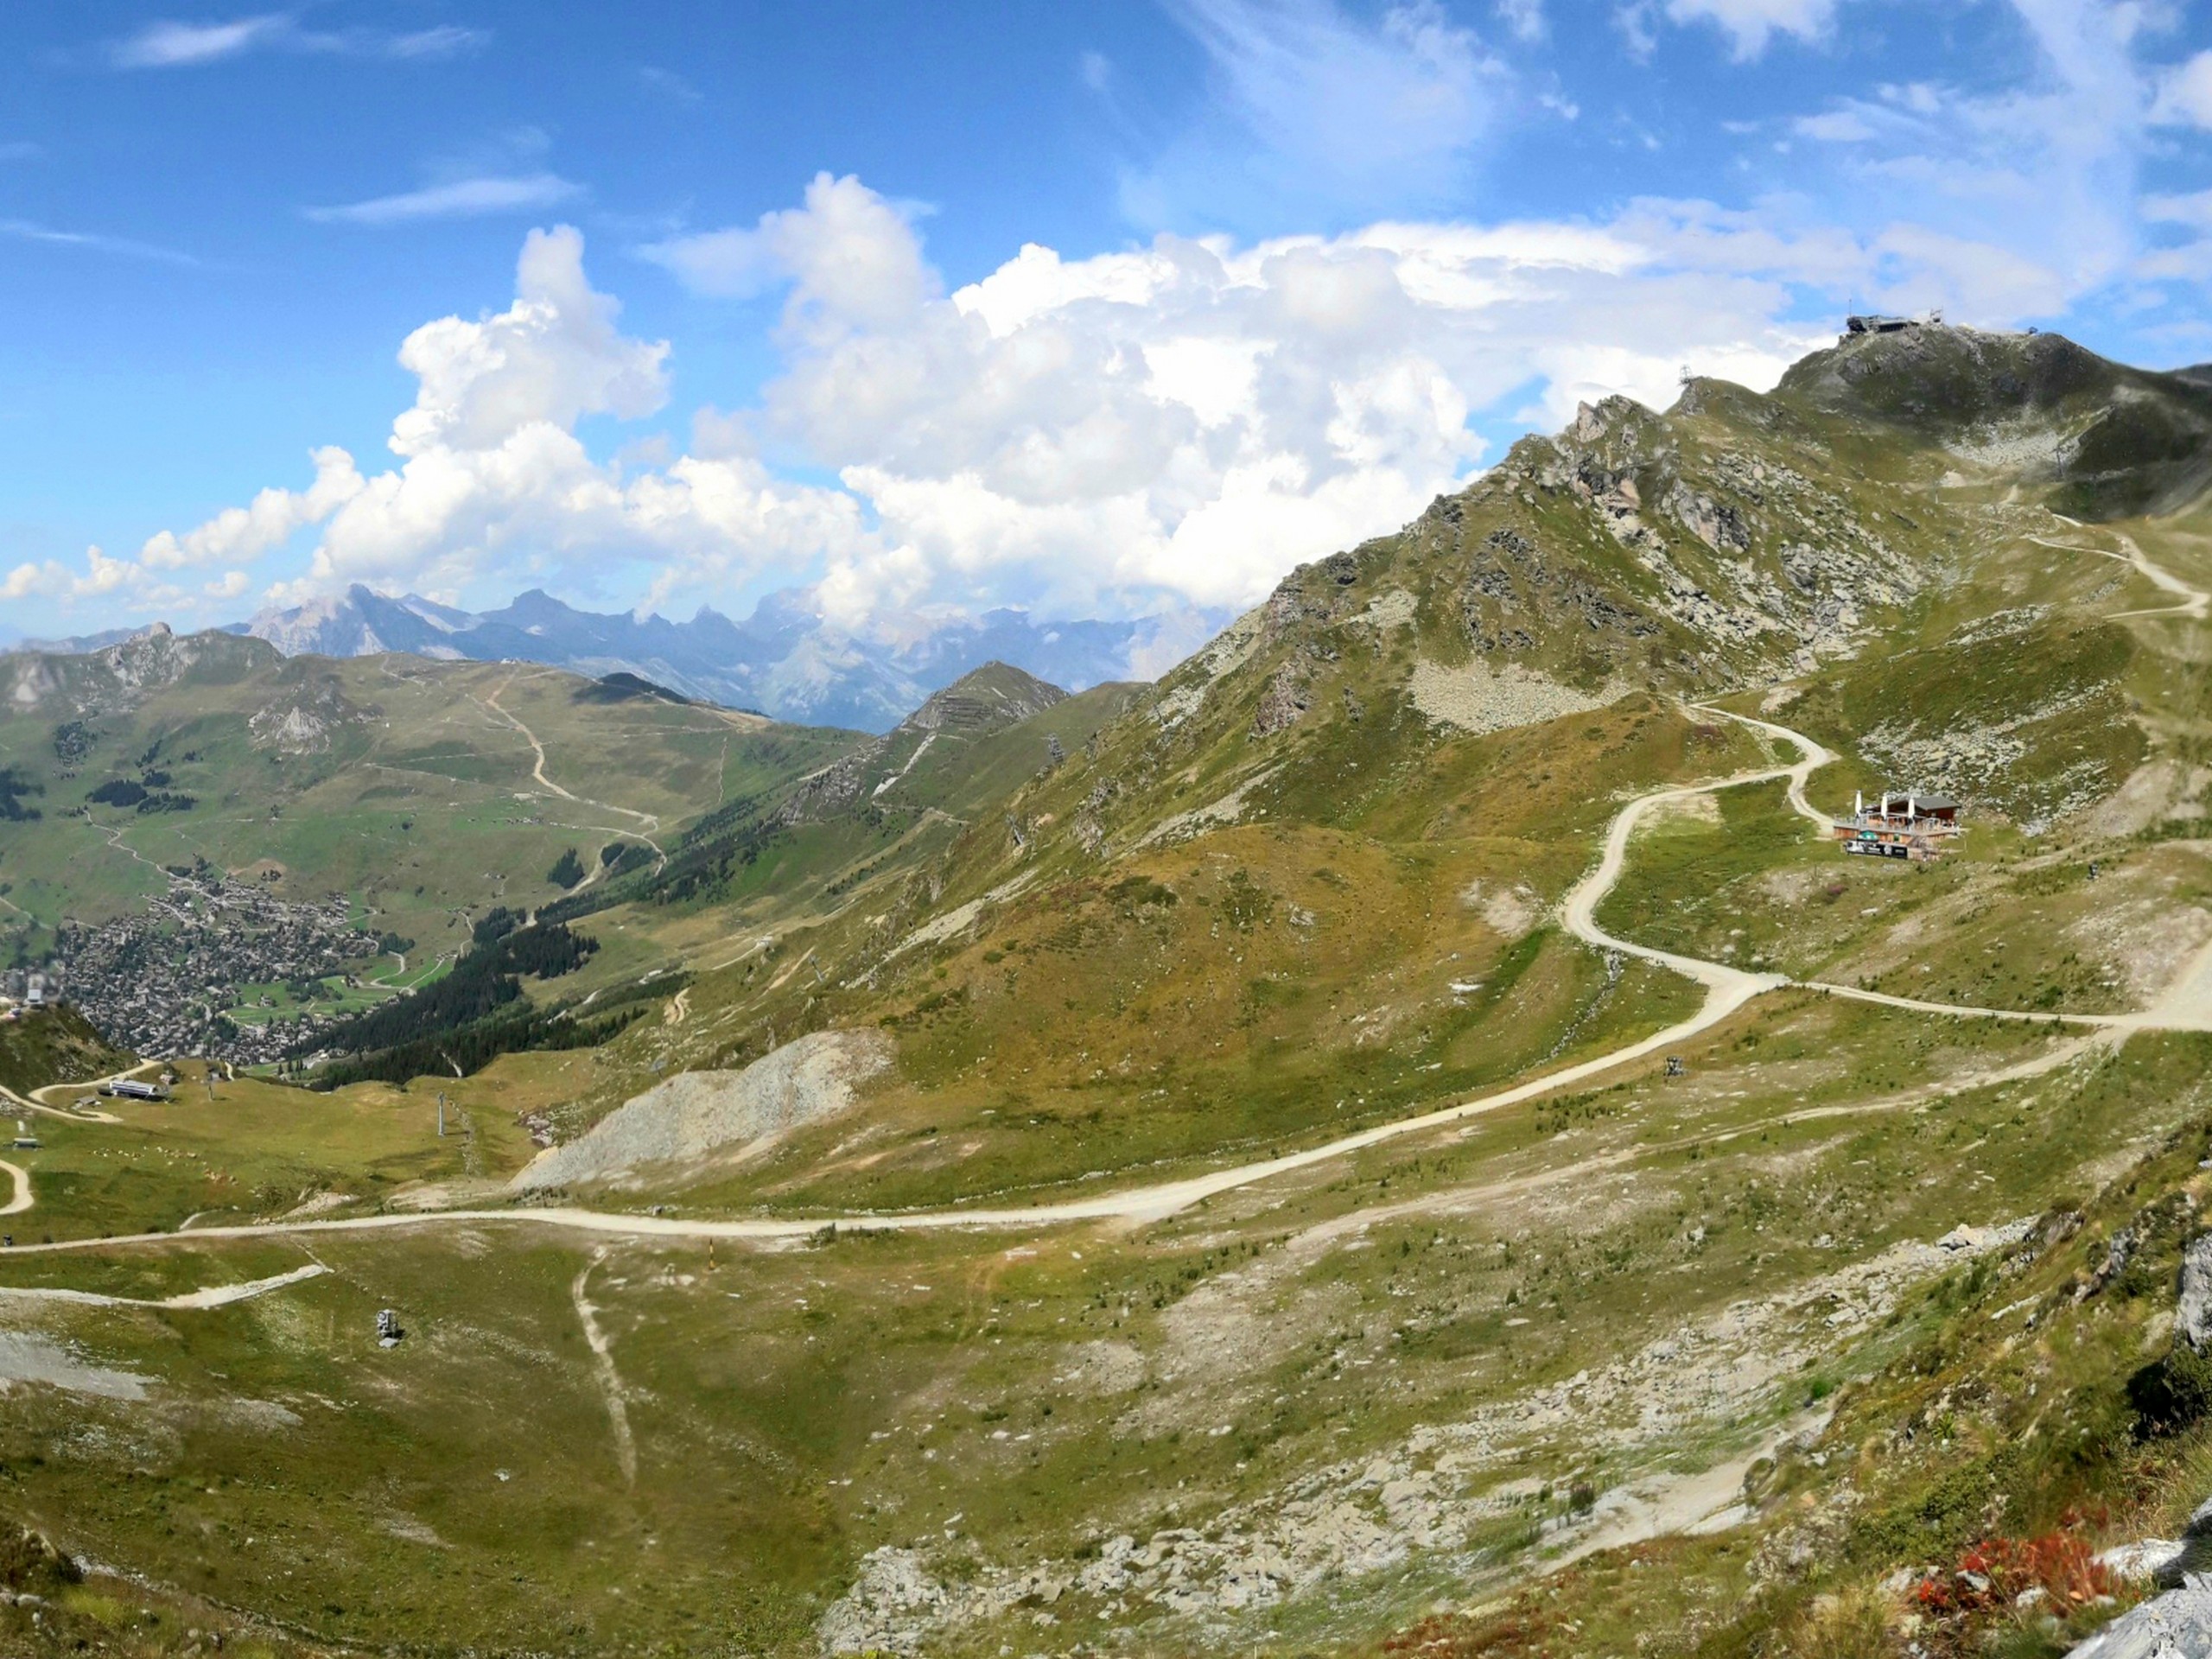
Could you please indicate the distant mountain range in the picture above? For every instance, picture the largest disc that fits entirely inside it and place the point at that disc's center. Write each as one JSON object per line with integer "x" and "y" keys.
{"x": 785, "y": 660}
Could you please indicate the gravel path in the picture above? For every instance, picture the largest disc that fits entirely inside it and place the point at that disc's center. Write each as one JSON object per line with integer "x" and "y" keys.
{"x": 2189, "y": 1007}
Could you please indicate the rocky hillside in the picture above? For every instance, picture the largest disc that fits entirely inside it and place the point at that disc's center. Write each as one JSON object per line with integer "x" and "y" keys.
{"x": 1447, "y": 709}
{"x": 119, "y": 677}
{"x": 2105, "y": 441}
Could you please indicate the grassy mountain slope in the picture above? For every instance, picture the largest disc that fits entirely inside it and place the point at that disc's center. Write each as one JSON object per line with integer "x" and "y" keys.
{"x": 406, "y": 784}
{"x": 1303, "y": 884}
{"x": 1401, "y": 759}
{"x": 54, "y": 1044}
{"x": 2104, "y": 440}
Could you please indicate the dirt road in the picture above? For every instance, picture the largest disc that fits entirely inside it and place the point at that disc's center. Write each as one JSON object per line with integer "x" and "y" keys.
{"x": 213, "y": 1296}
{"x": 1727, "y": 989}
{"x": 648, "y": 822}
{"x": 23, "y": 1198}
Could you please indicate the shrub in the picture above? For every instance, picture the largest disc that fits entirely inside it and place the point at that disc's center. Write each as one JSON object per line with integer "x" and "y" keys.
{"x": 1997, "y": 1571}
{"x": 13, "y": 787}
{"x": 28, "y": 1561}
{"x": 2172, "y": 1394}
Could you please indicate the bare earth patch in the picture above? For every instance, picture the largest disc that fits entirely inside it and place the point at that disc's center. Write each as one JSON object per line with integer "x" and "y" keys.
{"x": 702, "y": 1118}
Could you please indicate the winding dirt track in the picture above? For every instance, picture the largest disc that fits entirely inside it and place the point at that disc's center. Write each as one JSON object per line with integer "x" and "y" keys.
{"x": 2186, "y": 1006}
{"x": 1727, "y": 989}
{"x": 538, "y": 769}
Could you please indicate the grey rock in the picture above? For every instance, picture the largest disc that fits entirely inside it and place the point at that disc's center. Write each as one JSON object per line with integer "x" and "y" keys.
{"x": 2193, "y": 1318}
{"x": 2190, "y": 1560}
{"x": 1284, "y": 703}
{"x": 2175, "y": 1625}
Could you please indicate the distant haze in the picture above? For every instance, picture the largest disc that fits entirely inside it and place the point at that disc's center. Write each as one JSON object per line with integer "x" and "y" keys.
{"x": 785, "y": 660}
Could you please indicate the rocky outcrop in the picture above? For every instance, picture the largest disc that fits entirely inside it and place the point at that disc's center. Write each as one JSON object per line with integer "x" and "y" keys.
{"x": 890, "y": 1608}
{"x": 120, "y": 676}
{"x": 2172, "y": 1626}
{"x": 1283, "y": 704}
{"x": 306, "y": 722}
{"x": 836, "y": 786}
{"x": 1719, "y": 526}
{"x": 2193, "y": 1317}
{"x": 2178, "y": 1623}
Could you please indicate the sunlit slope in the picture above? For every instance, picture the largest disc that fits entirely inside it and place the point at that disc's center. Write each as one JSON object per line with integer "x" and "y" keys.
{"x": 1305, "y": 880}
{"x": 54, "y": 1044}
{"x": 886, "y": 809}
{"x": 1306, "y": 884}
{"x": 2105, "y": 441}
{"x": 1118, "y": 966}
{"x": 417, "y": 788}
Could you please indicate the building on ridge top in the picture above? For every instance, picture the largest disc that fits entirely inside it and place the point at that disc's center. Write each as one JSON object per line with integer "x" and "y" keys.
{"x": 1899, "y": 823}
{"x": 1874, "y": 323}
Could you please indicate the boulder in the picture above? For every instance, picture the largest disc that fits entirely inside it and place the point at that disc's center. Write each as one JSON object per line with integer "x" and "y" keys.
{"x": 2193, "y": 1318}
{"x": 2173, "y": 1626}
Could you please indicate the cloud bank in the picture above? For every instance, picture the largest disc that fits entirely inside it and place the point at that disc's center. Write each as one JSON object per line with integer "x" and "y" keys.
{"x": 1173, "y": 425}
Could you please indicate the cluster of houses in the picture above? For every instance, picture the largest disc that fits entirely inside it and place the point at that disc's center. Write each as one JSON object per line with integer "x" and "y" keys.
{"x": 168, "y": 980}
{"x": 29, "y": 987}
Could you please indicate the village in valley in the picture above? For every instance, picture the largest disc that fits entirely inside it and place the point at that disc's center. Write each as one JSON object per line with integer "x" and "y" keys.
{"x": 218, "y": 967}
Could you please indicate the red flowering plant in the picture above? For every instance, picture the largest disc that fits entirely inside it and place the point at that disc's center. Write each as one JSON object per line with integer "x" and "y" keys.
{"x": 1997, "y": 1572}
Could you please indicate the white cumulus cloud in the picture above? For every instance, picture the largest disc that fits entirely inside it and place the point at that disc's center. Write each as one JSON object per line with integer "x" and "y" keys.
{"x": 492, "y": 478}
{"x": 237, "y": 534}
{"x": 552, "y": 357}
{"x": 1144, "y": 430}
{"x": 1183, "y": 422}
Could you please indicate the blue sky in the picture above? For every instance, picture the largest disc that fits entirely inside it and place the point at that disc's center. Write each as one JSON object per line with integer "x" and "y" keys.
{"x": 1101, "y": 310}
